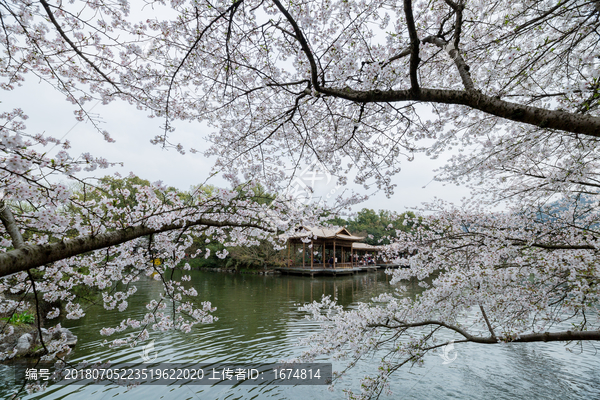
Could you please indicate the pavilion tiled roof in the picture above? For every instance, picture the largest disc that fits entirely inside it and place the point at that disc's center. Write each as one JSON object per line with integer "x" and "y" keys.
{"x": 365, "y": 246}
{"x": 325, "y": 233}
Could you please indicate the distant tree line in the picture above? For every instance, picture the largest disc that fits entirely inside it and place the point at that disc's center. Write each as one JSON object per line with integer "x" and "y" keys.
{"x": 376, "y": 226}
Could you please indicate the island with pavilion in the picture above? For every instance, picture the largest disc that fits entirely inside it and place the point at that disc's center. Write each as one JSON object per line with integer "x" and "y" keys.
{"x": 331, "y": 251}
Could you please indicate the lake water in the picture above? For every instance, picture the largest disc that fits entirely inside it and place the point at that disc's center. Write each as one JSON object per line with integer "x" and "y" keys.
{"x": 259, "y": 323}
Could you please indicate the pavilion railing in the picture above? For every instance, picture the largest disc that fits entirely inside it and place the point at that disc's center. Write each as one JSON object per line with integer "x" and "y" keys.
{"x": 338, "y": 265}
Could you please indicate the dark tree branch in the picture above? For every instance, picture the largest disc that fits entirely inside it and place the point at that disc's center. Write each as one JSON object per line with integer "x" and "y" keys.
{"x": 8, "y": 220}
{"x": 543, "y": 118}
{"x": 414, "y": 46}
{"x": 314, "y": 73}
{"x": 402, "y": 54}
{"x": 487, "y": 322}
{"x": 565, "y": 336}
{"x": 37, "y": 312}
{"x": 458, "y": 8}
{"x": 546, "y": 246}
{"x": 541, "y": 17}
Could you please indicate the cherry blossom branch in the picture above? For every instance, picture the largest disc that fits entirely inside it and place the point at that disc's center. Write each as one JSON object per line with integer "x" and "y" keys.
{"x": 31, "y": 256}
{"x": 487, "y": 322}
{"x": 74, "y": 47}
{"x": 461, "y": 65}
{"x": 231, "y": 9}
{"x": 544, "y": 118}
{"x": 564, "y": 336}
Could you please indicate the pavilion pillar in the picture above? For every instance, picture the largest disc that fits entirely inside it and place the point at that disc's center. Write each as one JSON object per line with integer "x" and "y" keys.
{"x": 312, "y": 254}
{"x": 303, "y": 254}
{"x": 334, "y": 255}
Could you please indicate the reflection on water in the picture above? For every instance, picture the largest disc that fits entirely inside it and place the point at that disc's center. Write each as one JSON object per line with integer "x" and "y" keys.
{"x": 259, "y": 323}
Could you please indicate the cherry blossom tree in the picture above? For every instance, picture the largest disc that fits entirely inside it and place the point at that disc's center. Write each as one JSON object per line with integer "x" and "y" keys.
{"x": 57, "y": 240}
{"x": 359, "y": 86}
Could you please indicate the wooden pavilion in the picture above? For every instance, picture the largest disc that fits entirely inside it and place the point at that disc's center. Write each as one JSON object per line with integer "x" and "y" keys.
{"x": 325, "y": 250}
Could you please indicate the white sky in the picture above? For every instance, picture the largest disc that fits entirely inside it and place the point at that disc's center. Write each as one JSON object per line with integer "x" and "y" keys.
{"x": 132, "y": 130}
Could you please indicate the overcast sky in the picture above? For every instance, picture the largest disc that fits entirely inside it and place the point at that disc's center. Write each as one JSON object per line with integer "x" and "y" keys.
{"x": 132, "y": 130}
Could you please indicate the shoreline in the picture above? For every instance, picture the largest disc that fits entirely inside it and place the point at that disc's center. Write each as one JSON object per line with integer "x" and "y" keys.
{"x": 235, "y": 271}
